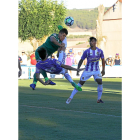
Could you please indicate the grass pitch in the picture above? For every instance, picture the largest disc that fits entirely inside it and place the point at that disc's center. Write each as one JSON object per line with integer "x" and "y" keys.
{"x": 44, "y": 115}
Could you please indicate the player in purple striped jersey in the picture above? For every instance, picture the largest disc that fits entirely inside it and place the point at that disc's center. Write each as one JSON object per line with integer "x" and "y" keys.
{"x": 93, "y": 55}
{"x": 54, "y": 66}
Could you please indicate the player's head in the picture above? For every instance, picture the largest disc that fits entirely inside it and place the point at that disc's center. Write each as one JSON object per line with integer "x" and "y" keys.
{"x": 63, "y": 33}
{"x": 42, "y": 53}
{"x": 92, "y": 41}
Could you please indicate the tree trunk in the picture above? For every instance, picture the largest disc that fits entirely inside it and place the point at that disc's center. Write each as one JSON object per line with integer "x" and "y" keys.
{"x": 99, "y": 25}
{"x": 37, "y": 42}
{"x": 34, "y": 43}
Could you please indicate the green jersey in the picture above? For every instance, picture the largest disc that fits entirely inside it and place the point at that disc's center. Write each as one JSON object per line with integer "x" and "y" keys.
{"x": 49, "y": 46}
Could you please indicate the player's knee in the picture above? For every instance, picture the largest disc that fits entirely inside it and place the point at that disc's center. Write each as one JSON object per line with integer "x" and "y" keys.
{"x": 82, "y": 82}
{"x": 99, "y": 81}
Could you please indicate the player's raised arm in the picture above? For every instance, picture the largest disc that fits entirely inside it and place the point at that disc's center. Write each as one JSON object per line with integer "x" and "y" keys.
{"x": 79, "y": 65}
{"x": 71, "y": 68}
{"x": 52, "y": 39}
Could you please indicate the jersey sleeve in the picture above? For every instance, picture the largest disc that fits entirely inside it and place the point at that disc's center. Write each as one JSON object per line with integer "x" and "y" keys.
{"x": 56, "y": 37}
{"x": 84, "y": 55}
{"x": 102, "y": 54}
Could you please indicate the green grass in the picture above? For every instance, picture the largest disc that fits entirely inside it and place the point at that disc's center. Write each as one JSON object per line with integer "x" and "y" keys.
{"x": 44, "y": 115}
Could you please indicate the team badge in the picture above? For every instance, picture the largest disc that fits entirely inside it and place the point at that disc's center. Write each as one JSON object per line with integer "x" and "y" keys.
{"x": 58, "y": 62}
{"x": 97, "y": 53}
{"x": 82, "y": 78}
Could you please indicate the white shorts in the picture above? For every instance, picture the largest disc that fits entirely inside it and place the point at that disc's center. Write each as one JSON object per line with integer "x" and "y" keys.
{"x": 63, "y": 71}
{"x": 86, "y": 75}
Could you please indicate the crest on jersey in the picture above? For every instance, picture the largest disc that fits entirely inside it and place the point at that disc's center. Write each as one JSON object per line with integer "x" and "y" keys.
{"x": 58, "y": 62}
{"x": 82, "y": 78}
{"x": 97, "y": 53}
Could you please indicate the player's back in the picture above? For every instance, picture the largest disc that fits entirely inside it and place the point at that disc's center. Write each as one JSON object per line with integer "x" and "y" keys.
{"x": 50, "y": 46}
{"x": 93, "y": 57}
{"x": 50, "y": 65}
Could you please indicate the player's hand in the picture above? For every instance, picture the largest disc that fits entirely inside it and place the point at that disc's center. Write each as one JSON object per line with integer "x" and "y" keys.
{"x": 62, "y": 45}
{"x": 103, "y": 72}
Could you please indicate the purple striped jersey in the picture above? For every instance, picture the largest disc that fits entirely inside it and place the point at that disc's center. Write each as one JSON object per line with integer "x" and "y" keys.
{"x": 50, "y": 65}
{"x": 93, "y": 57}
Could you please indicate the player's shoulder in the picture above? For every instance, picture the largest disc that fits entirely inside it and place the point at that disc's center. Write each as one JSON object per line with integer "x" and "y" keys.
{"x": 57, "y": 61}
{"x": 54, "y": 34}
{"x": 49, "y": 60}
{"x": 37, "y": 65}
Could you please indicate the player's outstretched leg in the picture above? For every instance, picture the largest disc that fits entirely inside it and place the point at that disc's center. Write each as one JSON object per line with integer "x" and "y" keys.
{"x": 68, "y": 77}
{"x": 72, "y": 94}
{"x": 33, "y": 85}
{"x": 46, "y": 78}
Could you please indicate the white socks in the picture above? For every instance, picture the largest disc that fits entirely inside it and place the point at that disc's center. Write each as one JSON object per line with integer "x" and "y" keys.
{"x": 75, "y": 91}
{"x": 100, "y": 90}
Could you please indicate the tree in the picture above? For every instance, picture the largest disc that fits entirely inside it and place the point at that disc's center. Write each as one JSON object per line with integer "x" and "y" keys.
{"x": 99, "y": 25}
{"x": 37, "y": 19}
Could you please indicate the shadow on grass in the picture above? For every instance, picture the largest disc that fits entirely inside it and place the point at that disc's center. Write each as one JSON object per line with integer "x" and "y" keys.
{"x": 49, "y": 124}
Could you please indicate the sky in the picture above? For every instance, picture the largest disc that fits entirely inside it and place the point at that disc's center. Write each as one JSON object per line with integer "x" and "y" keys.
{"x": 82, "y": 4}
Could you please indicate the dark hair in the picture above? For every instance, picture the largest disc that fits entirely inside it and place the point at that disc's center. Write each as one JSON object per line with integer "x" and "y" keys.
{"x": 42, "y": 53}
{"x": 92, "y": 38}
{"x": 64, "y": 30}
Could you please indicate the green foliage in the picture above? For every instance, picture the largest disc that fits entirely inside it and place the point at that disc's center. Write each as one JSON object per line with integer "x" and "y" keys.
{"x": 80, "y": 43}
{"x": 39, "y": 18}
{"x": 84, "y": 18}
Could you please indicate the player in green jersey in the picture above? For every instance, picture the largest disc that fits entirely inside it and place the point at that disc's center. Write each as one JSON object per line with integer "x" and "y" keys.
{"x": 52, "y": 44}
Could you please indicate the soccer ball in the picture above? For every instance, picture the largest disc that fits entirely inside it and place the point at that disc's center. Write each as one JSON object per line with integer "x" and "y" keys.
{"x": 69, "y": 21}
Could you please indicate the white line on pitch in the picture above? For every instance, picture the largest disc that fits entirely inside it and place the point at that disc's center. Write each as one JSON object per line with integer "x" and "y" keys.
{"x": 71, "y": 111}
